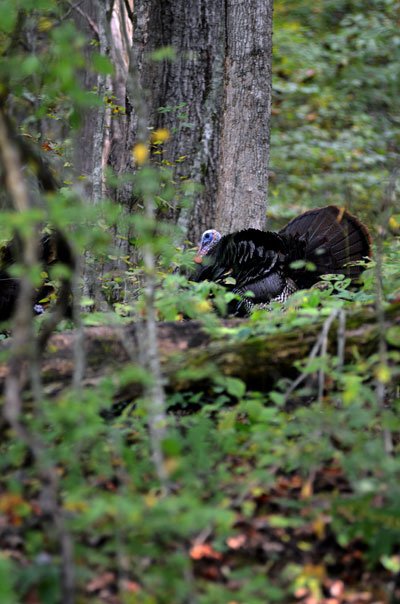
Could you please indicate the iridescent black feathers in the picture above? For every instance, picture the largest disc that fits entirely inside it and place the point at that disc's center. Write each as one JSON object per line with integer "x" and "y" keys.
{"x": 326, "y": 240}
{"x": 53, "y": 248}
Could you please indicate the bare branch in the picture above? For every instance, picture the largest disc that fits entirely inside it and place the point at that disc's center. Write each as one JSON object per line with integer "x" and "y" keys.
{"x": 90, "y": 21}
{"x": 129, "y": 11}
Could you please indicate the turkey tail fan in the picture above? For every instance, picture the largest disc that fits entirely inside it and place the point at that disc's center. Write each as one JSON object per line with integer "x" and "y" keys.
{"x": 332, "y": 239}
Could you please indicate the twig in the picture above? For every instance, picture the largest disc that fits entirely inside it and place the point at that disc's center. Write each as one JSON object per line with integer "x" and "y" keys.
{"x": 69, "y": 11}
{"x": 341, "y": 342}
{"x": 79, "y": 349}
{"x": 341, "y": 339}
{"x": 22, "y": 347}
{"x": 129, "y": 11}
{"x": 319, "y": 346}
{"x": 321, "y": 373}
{"x": 341, "y": 347}
{"x": 90, "y": 21}
{"x": 155, "y": 392}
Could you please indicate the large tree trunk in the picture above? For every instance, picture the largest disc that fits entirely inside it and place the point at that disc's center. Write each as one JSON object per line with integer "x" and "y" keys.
{"x": 214, "y": 99}
{"x": 189, "y": 90}
{"x": 244, "y": 157}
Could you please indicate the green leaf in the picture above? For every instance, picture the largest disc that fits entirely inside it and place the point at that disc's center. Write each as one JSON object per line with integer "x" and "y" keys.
{"x": 391, "y": 563}
{"x": 30, "y": 65}
{"x": 8, "y": 16}
{"x": 277, "y": 397}
{"x": 7, "y": 575}
{"x": 298, "y": 264}
{"x": 393, "y": 336}
{"x": 227, "y": 421}
{"x": 233, "y": 386}
{"x": 253, "y": 409}
{"x": 102, "y": 64}
{"x": 230, "y": 281}
{"x": 165, "y": 53}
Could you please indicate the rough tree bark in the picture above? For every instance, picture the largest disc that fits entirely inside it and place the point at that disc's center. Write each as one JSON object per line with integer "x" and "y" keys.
{"x": 85, "y": 17}
{"x": 194, "y": 84}
{"x": 215, "y": 100}
{"x": 223, "y": 76}
{"x": 245, "y": 134}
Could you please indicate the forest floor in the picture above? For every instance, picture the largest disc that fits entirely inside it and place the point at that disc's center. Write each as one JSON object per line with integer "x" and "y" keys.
{"x": 283, "y": 532}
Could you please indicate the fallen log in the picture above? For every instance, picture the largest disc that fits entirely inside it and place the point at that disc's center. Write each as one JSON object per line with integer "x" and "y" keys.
{"x": 191, "y": 357}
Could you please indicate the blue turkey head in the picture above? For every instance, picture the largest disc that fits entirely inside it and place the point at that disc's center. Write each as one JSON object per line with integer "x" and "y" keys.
{"x": 208, "y": 240}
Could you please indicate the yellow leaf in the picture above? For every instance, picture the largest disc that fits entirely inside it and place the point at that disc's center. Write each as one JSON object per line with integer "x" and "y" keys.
{"x": 382, "y": 372}
{"x": 140, "y": 153}
{"x": 151, "y": 499}
{"x": 306, "y": 489}
{"x": 160, "y": 135}
{"x": 45, "y": 24}
{"x": 10, "y": 501}
{"x": 76, "y": 506}
{"x": 204, "y": 306}
{"x": 171, "y": 464}
{"x": 394, "y": 224}
{"x": 317, "y": 571}
{"x": 305, "y": 546}
{"x": 319, "y": 527}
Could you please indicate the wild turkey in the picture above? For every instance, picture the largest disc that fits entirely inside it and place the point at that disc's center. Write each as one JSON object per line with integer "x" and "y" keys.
{"x": 53, "y": 248}
{"x": 330, "y": 239}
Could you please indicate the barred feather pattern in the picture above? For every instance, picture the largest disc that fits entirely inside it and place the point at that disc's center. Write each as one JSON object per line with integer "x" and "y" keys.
{"x": 289, "y": 288}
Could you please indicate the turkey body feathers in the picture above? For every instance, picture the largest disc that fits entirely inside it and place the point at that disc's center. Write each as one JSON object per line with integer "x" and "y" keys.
{"x": 9, "y": 289}
{"x": 260, "y": 262}
{"x": 52, "y": 248}
{"x": 252, "y": 258}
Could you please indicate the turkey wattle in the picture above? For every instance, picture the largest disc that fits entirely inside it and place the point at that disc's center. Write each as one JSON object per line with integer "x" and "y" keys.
{"x": 260, "y": 262}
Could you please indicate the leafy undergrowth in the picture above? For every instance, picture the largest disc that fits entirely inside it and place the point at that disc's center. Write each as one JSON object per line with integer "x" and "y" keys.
{"x": 286, "y": 496}
{"x": 263, "y": 506}
{"x": 334, "y": 131}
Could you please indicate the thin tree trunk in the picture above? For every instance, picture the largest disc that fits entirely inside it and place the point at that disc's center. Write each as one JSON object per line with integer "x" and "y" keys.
{"x": 84, "y": 15}
{"x": 24, "y": 361}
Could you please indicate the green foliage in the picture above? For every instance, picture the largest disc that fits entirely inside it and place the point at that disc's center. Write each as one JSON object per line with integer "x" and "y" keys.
{"x": 252, "y": 475}
{"x": 335, "y": 128}
{"x": 7, "y": 592}
{"x": 165, "y": 53}
{"x": 225, "y": 460}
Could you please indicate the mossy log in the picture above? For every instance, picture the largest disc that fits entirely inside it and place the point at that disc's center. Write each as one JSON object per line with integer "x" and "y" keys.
{"x": 191, "y": 357}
